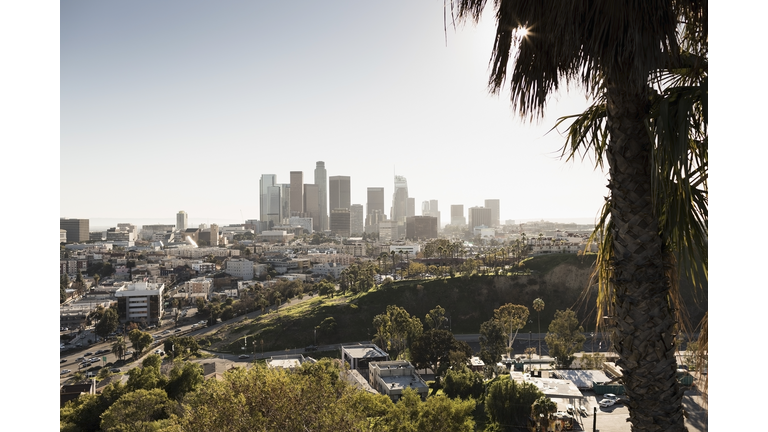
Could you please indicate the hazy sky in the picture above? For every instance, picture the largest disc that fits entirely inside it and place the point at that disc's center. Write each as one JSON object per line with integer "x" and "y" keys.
{"x": 182, "y": 105}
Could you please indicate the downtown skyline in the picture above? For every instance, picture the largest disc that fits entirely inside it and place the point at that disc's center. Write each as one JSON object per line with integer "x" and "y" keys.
{"x": 194, "y": 102}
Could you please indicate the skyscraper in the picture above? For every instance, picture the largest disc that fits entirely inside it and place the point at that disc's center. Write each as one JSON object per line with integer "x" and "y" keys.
{"x": 356, "y": 219}
{"x": 339, "y": 187}
{"x": 340, "y": 222}
{"x": 410, "y": 210}
{"x": 457, "y": 215}
{"x": 297, "y": 192}
{"x": 479, "y": 216}
{"x": 321, "y": 180}
{"x": 429, "y": 208}
{"x": 312, "y": 204}
{"x": 77, "y": 229}
{"x": 400, "y": 200}
{"x": 274, "y": 210}
{"x": 181, "y": 221}
{"x": 494, "y": 205}
{"x": 266, "y": 181}
{"x": 375, "y": 208}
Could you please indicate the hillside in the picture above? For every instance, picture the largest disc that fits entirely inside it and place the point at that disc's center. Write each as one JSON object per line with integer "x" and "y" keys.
{"x": 560, "y": 280}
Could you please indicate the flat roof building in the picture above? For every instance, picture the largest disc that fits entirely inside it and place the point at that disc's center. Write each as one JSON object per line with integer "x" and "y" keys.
{"x": 360, "y": 355}
{"x": 392, "y": 377}
{"x": 140, "y": 301}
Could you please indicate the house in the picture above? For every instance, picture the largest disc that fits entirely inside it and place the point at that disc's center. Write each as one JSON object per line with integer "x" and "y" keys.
{"x": 359, "y": 356}
{"x": 392, "y": 377}
{"x": 73, "y": 391}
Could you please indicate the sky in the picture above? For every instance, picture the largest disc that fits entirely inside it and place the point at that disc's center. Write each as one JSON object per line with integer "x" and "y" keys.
{"x": 183, "y": 105}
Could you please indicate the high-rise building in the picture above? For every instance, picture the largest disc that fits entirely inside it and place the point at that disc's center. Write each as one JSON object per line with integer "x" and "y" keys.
{"x": 297, "y": 196}
{"x": 312, "y": 204}
{"x": 479, "y": 216}
{"x": 77, "y": 229}
{"x": 411, "y": 208}
{"x": 274, "y": 208}
{"x": 340, "y": 222}
{"x": 421, "y": 227}
{"x": 495, "y": 206}
{"x": 266, "y": 181}
{"x": 457, "y": 215}
{"x": 399, "y": 199}
{"x": 181, "y": 221}
{"x": 285, "y": 200}
{"x": 321, "y": 180}
{"x": 375, "y": 203}
{"x": 339, "y": 188}
{"x": 429, "y": 208}
{"x": 356, "y": 219}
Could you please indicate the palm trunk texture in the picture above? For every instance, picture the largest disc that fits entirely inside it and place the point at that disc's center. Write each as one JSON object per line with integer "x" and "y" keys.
{"x": 644, "y": 323}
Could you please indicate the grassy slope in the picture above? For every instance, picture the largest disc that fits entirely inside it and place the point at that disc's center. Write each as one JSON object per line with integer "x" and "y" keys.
{"x": 469, "y": 302}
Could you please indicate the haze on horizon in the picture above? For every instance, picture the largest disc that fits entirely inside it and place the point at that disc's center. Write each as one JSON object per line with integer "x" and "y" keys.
{"x": 169, "y": 106}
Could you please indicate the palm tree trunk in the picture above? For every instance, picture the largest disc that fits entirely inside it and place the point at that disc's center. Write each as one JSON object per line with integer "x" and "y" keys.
{"x": 643, "y": 331}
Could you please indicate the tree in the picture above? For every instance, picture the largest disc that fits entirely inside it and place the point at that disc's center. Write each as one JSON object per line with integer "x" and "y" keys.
{"x": 435, "y": 318}
{"x": 543, "y": 406}
{"x": 147, "y": 376}
{"x": 96, "y": 279}
{"x": 512, "y": 317}
{"x": 508, "y": 403}
{"x": 645, "y": 65}
{"x": 565, "y": 337}
{"x": 437, "y": 413}
{"x": 118, "y": 347}
{"x": 108, "y": 323}
{"x": 325, "y": 288}
{"x": 463, "y": 383}
{"x": 538, "y": 306}
{"x": 395, "y": 329}
{"x": 136, "y": 411}
{"x": 139, "y": 340}
{"x": 492, "y": 342}
{"x": 185, "y": 377}
{"x": 434, "y": 348}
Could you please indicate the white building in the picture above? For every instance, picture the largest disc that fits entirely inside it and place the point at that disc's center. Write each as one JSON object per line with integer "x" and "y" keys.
{"x": 240, "y": 267}
{"x": 140, "y": 302}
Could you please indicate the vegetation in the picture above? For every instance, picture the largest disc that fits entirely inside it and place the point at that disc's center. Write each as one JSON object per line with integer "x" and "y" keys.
{"x": 648, "y": 78}
{"x": 508, "y": 404}
{"x": 565, "y": 337}
{"x": 395, "y": 330}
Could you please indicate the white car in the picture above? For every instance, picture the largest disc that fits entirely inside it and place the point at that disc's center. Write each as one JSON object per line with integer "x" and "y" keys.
{"x": 607, "y": 402}
{"x": 65, "y": 371}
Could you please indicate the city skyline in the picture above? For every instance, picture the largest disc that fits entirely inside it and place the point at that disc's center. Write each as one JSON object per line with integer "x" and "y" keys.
{"x": 271, "y": 88}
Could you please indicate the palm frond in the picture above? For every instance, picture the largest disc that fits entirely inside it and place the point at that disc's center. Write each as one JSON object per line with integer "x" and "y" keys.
{"x": 602, "y": 274}
{"x": 587, "y": 133}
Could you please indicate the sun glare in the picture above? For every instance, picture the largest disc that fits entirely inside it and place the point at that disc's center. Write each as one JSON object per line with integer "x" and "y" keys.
{"x": 522, "y": 32}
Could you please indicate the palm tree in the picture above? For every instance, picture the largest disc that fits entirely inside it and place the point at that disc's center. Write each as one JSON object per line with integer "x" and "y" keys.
{"x": 538, "y": 306}
{"x": 119, "y": 348}
{"x": 546, "y": 406}
{"x": 645, "y": 66}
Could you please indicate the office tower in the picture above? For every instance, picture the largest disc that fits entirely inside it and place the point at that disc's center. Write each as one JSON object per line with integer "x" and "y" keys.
{"x": 321, "y": 180}
{"x": 285, "y": 200}
{"x": 399, "y": 199}
{"x": 339, "y": 188}
{"x": 421, "y": 227}
{"x": 181, "y": 221}
{"x": 274, "y": 208}
{"x": 411, "y": 207}
{"x": 429, "y": 208}
{"x": 312, "y": 204}
{"x": 340, "y": 222}
{"x": 214, "y": 235}
{"x": 77, "y": 229}
{"x": 356, "y": 219}
{"x": 297, "y": 196}
{"x": 266, "y": 181}
{"x": 375, "y": 201}
{"x": 495, "y": 206}
{"x": 479, "y": 216}
{"x": 457, "y": 215}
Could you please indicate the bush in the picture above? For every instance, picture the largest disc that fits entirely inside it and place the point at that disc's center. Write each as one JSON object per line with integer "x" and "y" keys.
{"x": 463, "y": 383}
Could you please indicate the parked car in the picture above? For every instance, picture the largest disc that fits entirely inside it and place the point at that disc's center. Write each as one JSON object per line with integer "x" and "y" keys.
{"x": 607, "y": 402}
{"x": 65, "y": 371}
{"x": 115, "y": 370}
{"x": 570, "y": 409}
{"x": 63, "y": 361}
{"x": 177, "y": 330}
{"x": 583, "y": 411}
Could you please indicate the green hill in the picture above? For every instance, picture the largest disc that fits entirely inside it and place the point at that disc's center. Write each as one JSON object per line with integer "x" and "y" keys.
{"x": 560, "y": 280}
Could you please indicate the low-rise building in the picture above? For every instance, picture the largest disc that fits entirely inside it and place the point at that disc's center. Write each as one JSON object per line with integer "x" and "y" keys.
{"x": 140, "y": 301}
{"x": 360, "y": 355}
{"x": 392, "y": 377}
